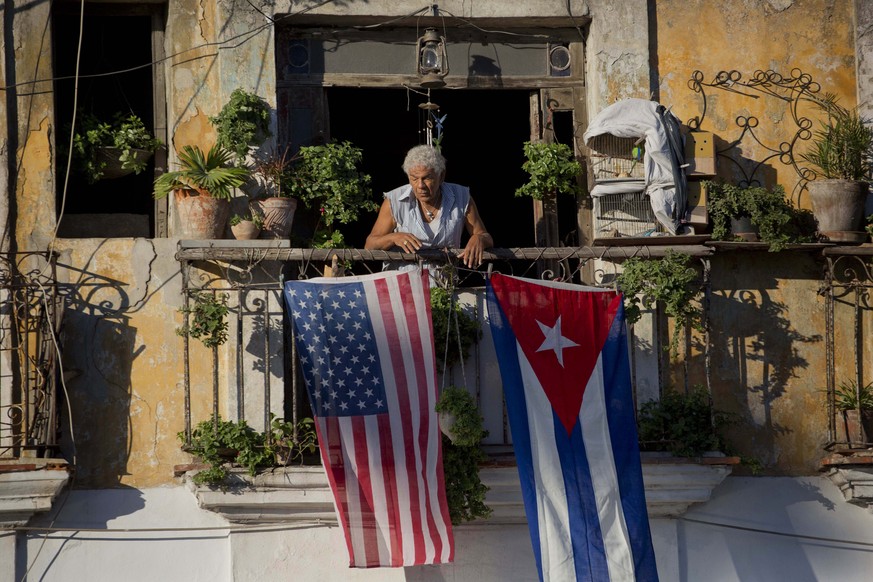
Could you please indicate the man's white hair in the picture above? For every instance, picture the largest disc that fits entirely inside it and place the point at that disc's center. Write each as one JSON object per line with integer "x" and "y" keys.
{"x": 424, "y": 156}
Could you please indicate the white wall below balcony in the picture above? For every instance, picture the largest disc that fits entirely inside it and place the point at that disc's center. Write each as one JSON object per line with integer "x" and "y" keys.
{"x": 169, "y": 538}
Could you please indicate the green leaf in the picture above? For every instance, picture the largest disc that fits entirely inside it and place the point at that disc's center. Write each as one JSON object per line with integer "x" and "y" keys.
{"x": 552, "y": 169}
{"x": 670, "y": 281}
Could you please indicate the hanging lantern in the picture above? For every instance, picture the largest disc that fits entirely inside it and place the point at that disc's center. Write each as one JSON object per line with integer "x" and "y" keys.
{"x": 433, "y": 62}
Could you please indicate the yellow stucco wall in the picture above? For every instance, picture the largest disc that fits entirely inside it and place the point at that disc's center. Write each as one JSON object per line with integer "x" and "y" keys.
{"x": 34, "y": 142}
{"x": 812, "y": 36}
{"x": 768, "y": 350}
{"x": 127, "y": 400}
{"x": 126, "y": 394}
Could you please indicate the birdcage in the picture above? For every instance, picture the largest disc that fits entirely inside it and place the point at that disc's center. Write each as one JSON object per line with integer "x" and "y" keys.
{"x": 616, "y": 157}
{"x": 624, "y": 215}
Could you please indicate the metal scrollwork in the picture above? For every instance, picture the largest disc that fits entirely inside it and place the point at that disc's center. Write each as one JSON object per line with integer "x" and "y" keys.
{"x": 30, "y": 305}
{"x": 796, "y": 89}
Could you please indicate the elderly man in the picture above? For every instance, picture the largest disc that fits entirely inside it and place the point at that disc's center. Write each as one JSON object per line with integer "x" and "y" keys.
{"x": 429, "y": 213}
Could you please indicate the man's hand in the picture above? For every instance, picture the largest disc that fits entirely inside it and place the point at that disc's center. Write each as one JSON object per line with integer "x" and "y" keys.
{"x": 474, "y": 252}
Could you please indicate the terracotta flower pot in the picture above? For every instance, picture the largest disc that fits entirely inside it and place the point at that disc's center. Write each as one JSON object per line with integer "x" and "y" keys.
{"x": 838, "y": 206}
{"x": 201, "y": 217}
{"x": 854, "y": 428}
{"x": 278, "y": 216}
{"x": 245, "y": 230}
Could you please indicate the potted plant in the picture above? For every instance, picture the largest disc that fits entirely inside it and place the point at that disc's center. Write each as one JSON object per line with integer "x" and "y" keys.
{"x": 670, "y": 281}
{"x": 841, "y": 151}
{"x": 106, "y": 150}
{"x": 203, "y": 187}
{"x": 683, "y": 424}
{"x": 853, "y": 409}
{"x": 770, "y": 217}
{"x": 291, "y": 441}
{"x": 327, "y": 178}
{"x": 274, "y": 174}
{"x": 552, "y": 169}
{"x": 206, "y": 318}
{"x": 244, "y": 121}
{"x": 462, "y": 424}
{"x": 246, "y": 226}
{"x": 224, "y": 441}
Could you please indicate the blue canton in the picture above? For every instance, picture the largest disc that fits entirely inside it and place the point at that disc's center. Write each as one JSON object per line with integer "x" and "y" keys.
{"x": 337, "y": 349}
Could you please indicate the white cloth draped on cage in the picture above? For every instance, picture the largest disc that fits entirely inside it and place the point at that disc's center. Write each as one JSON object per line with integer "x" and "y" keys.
{"x": 637, "y": 152}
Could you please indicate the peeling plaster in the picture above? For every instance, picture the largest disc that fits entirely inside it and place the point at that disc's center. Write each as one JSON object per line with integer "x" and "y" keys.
{"x": 781, "y": 5}
{"x": 36, "y": 217}
{"x": 195, "y": 130}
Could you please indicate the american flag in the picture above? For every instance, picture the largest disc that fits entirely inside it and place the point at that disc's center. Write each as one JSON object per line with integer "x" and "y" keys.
{"x": 365, "y": 346}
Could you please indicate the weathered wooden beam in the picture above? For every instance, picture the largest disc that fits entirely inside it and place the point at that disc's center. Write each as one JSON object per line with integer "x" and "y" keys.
{"x": 271, "y": 251}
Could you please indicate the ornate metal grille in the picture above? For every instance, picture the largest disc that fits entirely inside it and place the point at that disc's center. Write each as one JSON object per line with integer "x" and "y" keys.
{"x": 30, "y": 321}
{"x": 796, "y": 90}
{"x": 255, "y": 372}
{"x": 847, "y": 287}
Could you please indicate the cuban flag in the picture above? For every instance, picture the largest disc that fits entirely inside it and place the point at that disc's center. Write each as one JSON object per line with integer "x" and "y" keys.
{"x": 563, "y": 358}
{"x": 366, "y": 353}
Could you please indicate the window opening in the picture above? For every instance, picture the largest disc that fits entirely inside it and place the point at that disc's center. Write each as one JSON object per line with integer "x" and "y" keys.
{"x": 115, "y": 39}
{"x": 483, "y": 133}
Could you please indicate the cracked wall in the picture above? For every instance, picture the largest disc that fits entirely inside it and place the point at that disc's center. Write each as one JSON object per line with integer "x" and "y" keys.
{"x": 814, "y": 36}
{"x": 126, "y": 392}
{"x": 127, "y": 399}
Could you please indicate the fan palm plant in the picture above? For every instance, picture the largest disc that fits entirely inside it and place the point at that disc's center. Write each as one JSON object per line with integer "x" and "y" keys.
{"x": 210, "y": 174}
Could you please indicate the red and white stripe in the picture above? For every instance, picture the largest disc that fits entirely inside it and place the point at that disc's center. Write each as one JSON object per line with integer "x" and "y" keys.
{"x": 386, "y": 470}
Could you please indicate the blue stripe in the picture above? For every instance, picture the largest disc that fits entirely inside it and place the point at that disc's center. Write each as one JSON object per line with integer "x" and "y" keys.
{"x": 585, "y": 532}
{"x": 625, "y": 447}
{"x": 516, "y": 407}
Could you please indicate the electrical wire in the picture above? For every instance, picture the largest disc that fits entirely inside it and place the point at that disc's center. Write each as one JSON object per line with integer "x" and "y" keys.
{"x": 775, "y": 533}
{"x": 76, "y": 77}
{"x": 226, "y": 44}
{"x": 393, "y": 20}
{"x": 228, "y": 528}
{"x": 69, "y": 165}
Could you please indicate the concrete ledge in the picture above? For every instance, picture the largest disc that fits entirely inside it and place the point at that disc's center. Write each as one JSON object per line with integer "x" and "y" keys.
{"x": 852, "y": 473}
{"x": 303, "y": 494}
{"x": 29, "y": 486}
{"x": 280, "y": 495}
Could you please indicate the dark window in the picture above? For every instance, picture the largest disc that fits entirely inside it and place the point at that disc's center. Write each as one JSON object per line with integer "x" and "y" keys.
{"x": 115, "y": 77}
{"x": 484, "y": 133}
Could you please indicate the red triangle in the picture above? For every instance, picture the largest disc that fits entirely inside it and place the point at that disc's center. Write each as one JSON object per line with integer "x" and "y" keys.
{"x": 586, "y": 318}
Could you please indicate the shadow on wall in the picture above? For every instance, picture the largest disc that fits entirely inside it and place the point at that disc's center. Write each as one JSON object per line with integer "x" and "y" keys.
{"x": 101, "y": 351}
{"x": 99, "y": 348}
{"x": 735, "y": 168}
{"x": 757, "y": 346}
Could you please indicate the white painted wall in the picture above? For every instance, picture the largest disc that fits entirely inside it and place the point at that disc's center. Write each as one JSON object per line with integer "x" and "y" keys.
{"x": 179, "y": 544}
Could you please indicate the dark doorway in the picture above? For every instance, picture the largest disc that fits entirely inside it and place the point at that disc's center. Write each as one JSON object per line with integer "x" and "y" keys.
{"x": 483, "y": 136}
{"x": 114, "y": 77}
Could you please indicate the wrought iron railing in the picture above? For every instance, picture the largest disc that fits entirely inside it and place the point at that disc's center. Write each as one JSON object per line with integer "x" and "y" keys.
{"x": 30, "y": 321}
{"x": 254, "y": 374}
{"x": 847, "y": 288}
{"x": 796, "y": 89}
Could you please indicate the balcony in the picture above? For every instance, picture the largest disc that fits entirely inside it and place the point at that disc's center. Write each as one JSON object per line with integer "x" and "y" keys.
{"x": 31, "y": 475}
{"x": 255, "y": 374}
